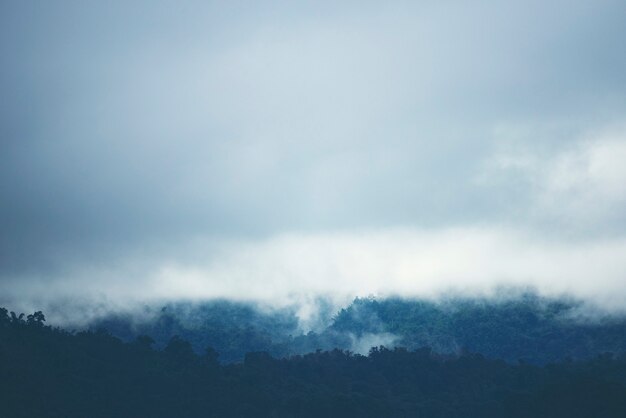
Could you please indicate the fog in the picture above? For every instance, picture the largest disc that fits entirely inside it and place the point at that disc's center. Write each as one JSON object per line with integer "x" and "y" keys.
{"x": 299, "y": 269}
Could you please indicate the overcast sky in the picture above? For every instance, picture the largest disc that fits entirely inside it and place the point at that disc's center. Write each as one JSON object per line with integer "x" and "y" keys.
{"x": 277, "y": 150}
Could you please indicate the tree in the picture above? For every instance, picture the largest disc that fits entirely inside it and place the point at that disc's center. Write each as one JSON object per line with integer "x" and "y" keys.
{"x": 36, "y": 319}
{"x": 210, "y": 357}
{"x": 179, "y": 349}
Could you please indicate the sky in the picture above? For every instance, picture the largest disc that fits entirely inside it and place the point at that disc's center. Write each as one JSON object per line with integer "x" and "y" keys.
{"x": 282, "y": 151}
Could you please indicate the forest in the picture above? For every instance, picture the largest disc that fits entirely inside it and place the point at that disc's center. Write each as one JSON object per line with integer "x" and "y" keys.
{"x": 47, "y": 371}
{"x": 522, "y": 326}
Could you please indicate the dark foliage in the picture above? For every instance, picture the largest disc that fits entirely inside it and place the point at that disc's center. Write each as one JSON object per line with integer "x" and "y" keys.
{"x": 525, "y": 327}
{"x": 48, "y": 372}
{"x": 231, "y": 328}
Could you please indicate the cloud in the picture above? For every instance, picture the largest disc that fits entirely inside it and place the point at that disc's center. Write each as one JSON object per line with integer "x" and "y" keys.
{"x": 580, "y": 186}
{"x": 403, "y": 261}
{"x": 588, "y": 178}
{"x": 295, "y": 269}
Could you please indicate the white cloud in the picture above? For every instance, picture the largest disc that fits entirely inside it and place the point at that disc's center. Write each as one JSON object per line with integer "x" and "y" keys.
{"x": 298, "y": 268}
{"x": 401, "y": 261}
{"x": 578, "y": 185}
{"x": 594, "y": 169}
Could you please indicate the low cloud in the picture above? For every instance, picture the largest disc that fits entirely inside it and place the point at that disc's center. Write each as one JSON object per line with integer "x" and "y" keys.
{"x": 301, "y": 268}
{"x": 364, "y": 343}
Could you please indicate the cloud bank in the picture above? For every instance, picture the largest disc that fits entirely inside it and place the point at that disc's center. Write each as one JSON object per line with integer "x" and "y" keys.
{"x": 296, "y": 268}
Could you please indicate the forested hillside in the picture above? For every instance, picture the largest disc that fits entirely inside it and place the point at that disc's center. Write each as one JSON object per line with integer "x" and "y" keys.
{"x": 47, "y": 372}
{"x": 525, "y": 328}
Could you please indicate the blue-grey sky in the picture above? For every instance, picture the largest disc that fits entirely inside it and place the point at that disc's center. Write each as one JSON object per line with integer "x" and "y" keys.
{"x": 270, "y": 150}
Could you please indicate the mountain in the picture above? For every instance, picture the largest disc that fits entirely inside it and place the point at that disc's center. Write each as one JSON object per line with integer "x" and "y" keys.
{"x": 524, "y": 327}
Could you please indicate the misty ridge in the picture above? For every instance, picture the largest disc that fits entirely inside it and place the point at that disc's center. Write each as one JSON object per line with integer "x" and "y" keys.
{"x": 514, "y": 324}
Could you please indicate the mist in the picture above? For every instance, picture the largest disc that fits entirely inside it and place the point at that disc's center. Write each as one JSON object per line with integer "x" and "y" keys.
{"x": 298, "y": 271}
